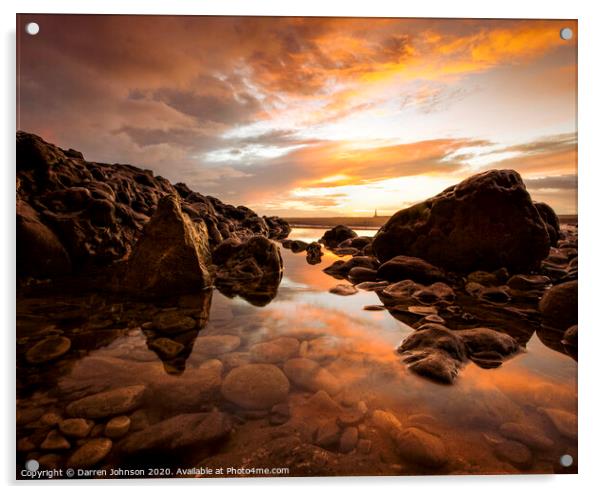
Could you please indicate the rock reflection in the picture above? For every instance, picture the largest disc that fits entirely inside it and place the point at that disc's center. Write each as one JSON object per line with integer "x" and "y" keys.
{"x": 554, "y": 339}
{"x": 258, "y": 291}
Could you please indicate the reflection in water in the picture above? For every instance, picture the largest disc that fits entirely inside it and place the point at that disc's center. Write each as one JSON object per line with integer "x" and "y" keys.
{"x": 258, "y": 291}
{"x": 294, "y": 321}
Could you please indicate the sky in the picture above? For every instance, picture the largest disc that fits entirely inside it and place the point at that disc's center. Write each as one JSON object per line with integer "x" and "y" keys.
{"x": 309, "y": 116}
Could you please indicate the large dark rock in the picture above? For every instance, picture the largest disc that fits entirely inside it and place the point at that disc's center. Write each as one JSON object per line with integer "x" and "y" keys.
{"x": 97, "y": 211}
{"x": 333, "y": 237}
{"x": 559, "y": 306}
{"x": 171, "y": 257}
{"x": 487, "y": 221}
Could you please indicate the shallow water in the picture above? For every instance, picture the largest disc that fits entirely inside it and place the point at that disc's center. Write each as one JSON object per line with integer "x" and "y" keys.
{"x": 355, "y": 345}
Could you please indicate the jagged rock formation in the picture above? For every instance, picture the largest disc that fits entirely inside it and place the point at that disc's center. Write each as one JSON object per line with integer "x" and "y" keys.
{"x": 74, "y": 214}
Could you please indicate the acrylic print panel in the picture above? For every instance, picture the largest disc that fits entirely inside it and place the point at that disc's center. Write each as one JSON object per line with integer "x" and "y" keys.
{"x": 253, "y": 246}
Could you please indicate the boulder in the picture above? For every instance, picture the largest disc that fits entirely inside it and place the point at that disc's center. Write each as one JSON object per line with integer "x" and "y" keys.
{"x": 485, "y": 222}
{"x": 559, "y": 305}
{"x": 314, "y": 253}
{"x": 171, "y": 257}
{"x": 108, "y": 403}
{"x": 551, "y": 221}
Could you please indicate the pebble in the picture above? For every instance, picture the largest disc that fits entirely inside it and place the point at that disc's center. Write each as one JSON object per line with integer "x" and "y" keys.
{"x": 348, "y": 440}
{"x": 76, "y": 427}
{"x": 108, "y": 403}
{"x": 275, "y": 351}
{"x": 50, "y": 461}
{"x": 374, "y": 307}
{"x": 118, "y": 427}
{"x": 50, "y": 418}
{"x": 25, "y": 444}
{"x": 323, "y": 348}
{"x": 353, "y": 415}
{"x": 235, "y": 359}
{"x": 280, "y": 414}
{"x": 91, "y": 453}
{"x": 216, "y": 345}
{"x": 55, "y": 441}
{"x": 48, "y": 349}
{"x": 386, "y": 421}
{"x": 255, "y": 386}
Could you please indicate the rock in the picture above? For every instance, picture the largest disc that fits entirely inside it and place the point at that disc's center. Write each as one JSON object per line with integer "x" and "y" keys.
{"x": 235, "y": 359}
{"x": 348, "y": 440}
{"x": 297, "y": 246}
{"x": 251, "y": 269}
{"x": 25, "y": 444}
{"x": 479, "y": 340}
{"x": 40, "y": 253}
{"x": 485, "y": 222}
{"x": 372, "y": 286}
{"x": 309, "y": 375}
{"x": 565, "y": 422}
{"x": 559, "y": 305}
{"x": 322, "y": 403}
{"x": 73, "y": 214}
{"x": 166, "y": 347}
{"x": 90, "y": 453}
{"x": 50, "y": 461}
{"x": 550, "y": 220}
{"x": 483, "y": 278}
{"x": 434, "y": 352}
{"x": 409, "y": 268}
{"x": 344, "y": 290}
{"x": 526, "y": 282}
{"x": 437, "y": 293}
{"x": 515, "y": 453}
{"x": 360, "y": 274}
{"x": 323, "y": 348}
{"x": 76, "y": 427}
{"x": 55, "y": 441}
{"x": 108, "y": 403}
{"x": 50, "y": 348}
{"x": 179, "y": 431}
{"x": 314, "y": 253}
{"x": 173, "y": 322}
{"x": 386, "y": 422}
{"x": 327, "y": 434}
{"x": 422, "y": 448}
{"x": 118, "y": 427}
{"x": 275, "y": 351}
{"x": 171, "y": 257}
{"x": 255, "y": 386}
{"x": 353, "y": 415}
{"x": 217, "y": 345}
{"x": 333, "y": 237}
{"x": 526, "y": 434}
{"x": 280, "y": 414}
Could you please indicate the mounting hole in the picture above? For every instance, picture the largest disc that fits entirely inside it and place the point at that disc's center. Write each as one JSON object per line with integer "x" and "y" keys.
{"x": 566, "y": 460}
{"x": 566, "y": 33}
{"x": 32, "y": 465}
{"x": 32, "y": 28}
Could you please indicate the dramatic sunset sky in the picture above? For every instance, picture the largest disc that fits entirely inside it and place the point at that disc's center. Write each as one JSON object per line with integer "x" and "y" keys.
{"x": 309, "y": 117}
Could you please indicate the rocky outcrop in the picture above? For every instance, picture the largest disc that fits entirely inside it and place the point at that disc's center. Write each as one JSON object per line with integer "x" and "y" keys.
{"x": 487, "y": 221}
{"x": 172, "y": 255}
{"x": 559, "y": 306}
{"x": 74, "y": 213}
{"x": 551, "y": 221}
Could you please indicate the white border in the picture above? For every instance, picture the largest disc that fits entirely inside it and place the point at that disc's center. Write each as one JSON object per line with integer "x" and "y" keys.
{"x": 590, "y": 181}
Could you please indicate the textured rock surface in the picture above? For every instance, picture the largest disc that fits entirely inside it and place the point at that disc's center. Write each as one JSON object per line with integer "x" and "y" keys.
{"x": 77, "y": 213}
{"x": 255, "y": 386}
{"x": 559, "y": 305}
{"x": 488, "y": 221}
{"x": 172, "y": 255}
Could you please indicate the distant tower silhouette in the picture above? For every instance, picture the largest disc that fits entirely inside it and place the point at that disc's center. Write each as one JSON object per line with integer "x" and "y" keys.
{"x": 375, "y": 213}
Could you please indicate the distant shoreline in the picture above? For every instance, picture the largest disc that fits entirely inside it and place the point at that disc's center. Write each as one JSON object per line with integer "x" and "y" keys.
{"x": 372, "y": 223}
